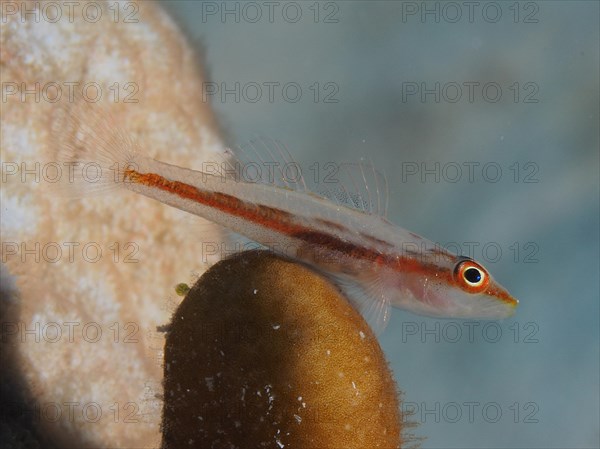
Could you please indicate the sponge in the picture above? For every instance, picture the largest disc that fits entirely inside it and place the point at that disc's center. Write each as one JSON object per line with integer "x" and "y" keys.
{"x": 264, "y": 352}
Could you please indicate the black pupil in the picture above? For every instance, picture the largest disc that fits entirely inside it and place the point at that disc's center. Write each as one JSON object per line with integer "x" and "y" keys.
{"x": 472, "y": 275}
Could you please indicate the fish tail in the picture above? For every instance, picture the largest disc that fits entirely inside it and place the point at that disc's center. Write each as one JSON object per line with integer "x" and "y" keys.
{"x": 95, "y": 151}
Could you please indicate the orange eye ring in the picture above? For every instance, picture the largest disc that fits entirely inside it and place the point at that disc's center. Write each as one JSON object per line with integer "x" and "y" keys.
{"x": 471, "y": 276}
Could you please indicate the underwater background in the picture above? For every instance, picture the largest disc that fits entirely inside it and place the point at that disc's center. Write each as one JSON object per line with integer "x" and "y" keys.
{"x": 484, "y": 117}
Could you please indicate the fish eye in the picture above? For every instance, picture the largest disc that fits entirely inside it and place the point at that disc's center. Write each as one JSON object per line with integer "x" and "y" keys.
{"x": 471, "y": 276}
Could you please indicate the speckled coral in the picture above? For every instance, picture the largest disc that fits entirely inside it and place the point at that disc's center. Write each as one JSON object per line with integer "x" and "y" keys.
{"x": 264, "y": 352}
{"x": 147, "y": 60}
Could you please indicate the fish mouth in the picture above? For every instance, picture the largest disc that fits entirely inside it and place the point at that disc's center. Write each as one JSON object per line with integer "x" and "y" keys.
{"x": 497, "y": 307}
{"x": 494, "y": 304}
{"x": 512, "y": 308}
{"x": 502, "y": 295}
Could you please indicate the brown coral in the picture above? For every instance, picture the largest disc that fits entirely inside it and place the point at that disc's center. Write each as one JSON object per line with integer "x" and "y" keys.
{"x": 264, "y": 352}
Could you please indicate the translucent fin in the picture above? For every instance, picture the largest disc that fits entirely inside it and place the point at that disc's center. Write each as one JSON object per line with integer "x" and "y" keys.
{"x": 267, "y": 161}
{"x": 370, "y": 299}
{"x": 278, "y": 167}
{"x": 358, "y": 186}
{"x": 87, "y": 138}
{"x": 260, "y": 161}
{"x": 90, "y": 147}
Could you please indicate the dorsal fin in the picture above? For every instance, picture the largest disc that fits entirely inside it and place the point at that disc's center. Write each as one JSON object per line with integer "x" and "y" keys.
{"x": 358, "y": 186}
{"x": 267, "y": 161}
{"x": 85, "y": 133}
{"x": 261, "y": 161}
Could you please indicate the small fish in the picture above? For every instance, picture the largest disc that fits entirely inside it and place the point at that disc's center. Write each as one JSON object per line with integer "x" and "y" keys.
{"x": 376, "y": 263}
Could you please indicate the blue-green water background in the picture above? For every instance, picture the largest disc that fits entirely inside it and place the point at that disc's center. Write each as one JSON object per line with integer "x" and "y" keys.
{"x": 546, "y": 362}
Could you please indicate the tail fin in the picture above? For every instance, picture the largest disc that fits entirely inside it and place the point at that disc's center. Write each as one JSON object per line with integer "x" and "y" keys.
{"x": 91, "y": 148}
